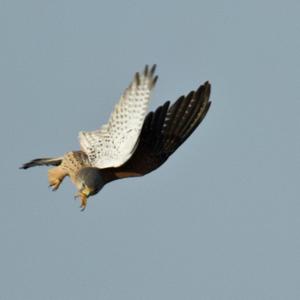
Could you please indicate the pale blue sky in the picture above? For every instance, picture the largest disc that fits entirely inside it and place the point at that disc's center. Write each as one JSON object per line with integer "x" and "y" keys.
{"x": 220, "y": 220}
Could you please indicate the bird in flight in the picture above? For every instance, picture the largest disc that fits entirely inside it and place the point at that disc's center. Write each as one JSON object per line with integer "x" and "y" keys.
{"x": 133, "y": 142}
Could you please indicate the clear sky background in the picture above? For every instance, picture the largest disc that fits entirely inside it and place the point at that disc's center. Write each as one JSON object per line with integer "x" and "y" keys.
{"x": 221, "y": 219}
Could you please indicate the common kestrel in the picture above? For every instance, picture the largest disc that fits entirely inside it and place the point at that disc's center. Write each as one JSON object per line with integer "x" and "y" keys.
{"x": 132, "y": 143}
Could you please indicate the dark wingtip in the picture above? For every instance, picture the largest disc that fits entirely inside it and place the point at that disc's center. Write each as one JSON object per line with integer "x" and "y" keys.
{"x": 137, "y": 79}
{"x": 208, "y": 86}
{"x": 24, "y": 166}
{"x": 146, "y": 70}
{"x": 153, "y": 68}
{"x": 154, "y": 81}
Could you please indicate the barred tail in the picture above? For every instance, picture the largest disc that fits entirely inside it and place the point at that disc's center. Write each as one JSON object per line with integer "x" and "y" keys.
{"x": 42, "y": 162}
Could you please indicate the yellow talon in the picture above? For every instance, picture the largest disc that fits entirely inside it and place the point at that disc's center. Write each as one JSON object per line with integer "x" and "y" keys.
{"x": 83, "y": 202}
{"x": 54, "y": 185}
{"x": 83, "y": 195}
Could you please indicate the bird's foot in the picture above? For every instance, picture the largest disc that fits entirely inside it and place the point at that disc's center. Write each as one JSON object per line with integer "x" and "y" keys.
{"x": 54, "y": 184}
{"x": 83, "y": 199}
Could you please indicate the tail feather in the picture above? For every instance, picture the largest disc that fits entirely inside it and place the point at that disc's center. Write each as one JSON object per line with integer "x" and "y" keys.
{"x": 56, "y": 161}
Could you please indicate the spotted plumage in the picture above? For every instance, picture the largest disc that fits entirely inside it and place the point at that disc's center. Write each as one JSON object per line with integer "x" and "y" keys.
{"x": 132, "y": 143}
{"x": 113, "y": 144}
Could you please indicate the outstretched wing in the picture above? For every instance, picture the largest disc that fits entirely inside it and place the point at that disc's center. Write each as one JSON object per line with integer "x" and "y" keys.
{"x": 165, "y": 130}
{"x": 114, "y": 143}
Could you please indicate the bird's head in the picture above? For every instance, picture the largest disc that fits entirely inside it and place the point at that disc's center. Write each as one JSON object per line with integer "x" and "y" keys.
{"x": 89, "y": 182}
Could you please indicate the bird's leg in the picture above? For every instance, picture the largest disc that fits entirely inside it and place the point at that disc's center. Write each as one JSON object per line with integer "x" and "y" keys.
{"x": 83, "y": 199}
{"x": 83, "y": 202}
{"x": 55, "y": 177}
{"x": 54, "y": 184}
